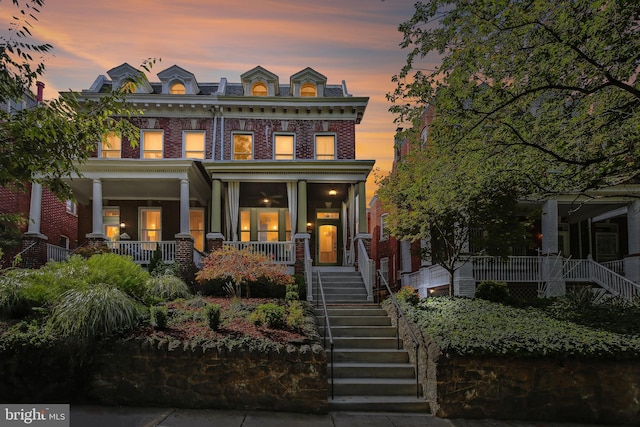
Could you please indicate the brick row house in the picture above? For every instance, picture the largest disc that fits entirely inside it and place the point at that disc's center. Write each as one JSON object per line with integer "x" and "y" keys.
{"x": 255, "y": 163}
{"x": 577, "y": 240}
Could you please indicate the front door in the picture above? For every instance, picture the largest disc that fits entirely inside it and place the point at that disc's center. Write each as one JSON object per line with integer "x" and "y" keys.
{"x": 328, "y": 238}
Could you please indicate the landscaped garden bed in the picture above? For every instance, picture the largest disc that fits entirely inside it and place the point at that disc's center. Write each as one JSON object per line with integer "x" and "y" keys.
{"x": 104, "y": 330}
{"x": 482, "y": 359}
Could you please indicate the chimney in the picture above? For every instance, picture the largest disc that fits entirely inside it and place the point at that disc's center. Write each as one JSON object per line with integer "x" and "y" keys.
{"x": 40, "y": 87}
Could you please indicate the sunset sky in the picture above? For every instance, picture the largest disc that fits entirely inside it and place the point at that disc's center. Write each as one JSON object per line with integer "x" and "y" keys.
{"x": 352, "y": 40}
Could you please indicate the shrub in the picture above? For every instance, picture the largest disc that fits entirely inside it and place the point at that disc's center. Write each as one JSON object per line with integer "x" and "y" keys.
{"x": 491, "y": 290}
{"x": 269, "y": 314}
{"x": 242, "y": 266}
{"x": 159, "y": 316}
{"x": 13, "y": 302}
{"x": 292, "y": 293}
{"x": 295, "y": 315}
{"x": 167, "y": 287}
{"x": 119, "y": 271}
{"x": 97, "y": 310}
{"x": 87, "y": 252}
{"x": 408, "y": 294}
{"x": 212, "y": 313}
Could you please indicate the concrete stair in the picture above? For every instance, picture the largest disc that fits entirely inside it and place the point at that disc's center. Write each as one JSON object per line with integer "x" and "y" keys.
{"x": 370, "y": 373}
{"x": 342, "y": 286}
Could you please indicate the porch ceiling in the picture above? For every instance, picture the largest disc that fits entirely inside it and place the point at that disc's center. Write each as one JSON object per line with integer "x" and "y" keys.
{"x": 133, "y": 179}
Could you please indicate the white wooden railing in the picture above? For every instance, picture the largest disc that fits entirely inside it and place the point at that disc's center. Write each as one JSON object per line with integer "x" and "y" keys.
{"x": 57, "y": 253}
{"x": 426, "y": 278}
{"x": 617, "y": 266}
{"x": 142, "y": 252}
{"x": 367, "y": 268}
{"x": 610, "y": 280}
{"x": 281, "y": 252}
{"x": 511, "y": 269}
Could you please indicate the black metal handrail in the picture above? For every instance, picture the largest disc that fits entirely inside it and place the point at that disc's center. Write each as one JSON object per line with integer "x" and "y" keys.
{"x": 327, "y": 325}
{"x": 399, "y": 314}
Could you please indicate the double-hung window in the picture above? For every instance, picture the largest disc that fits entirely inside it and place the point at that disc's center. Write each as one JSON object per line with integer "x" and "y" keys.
{"x": 193, "y": 144}
{"x": 152, "y": 142}
{"x": 283, "y": 147}
{"x": 325, "y": 147}
{"x": 242, "y": 146}
{"x": 111, "y": 146}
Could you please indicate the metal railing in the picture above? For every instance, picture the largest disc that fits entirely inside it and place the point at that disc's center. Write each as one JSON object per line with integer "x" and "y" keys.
{"x": 142, "y": 252}
{"x": 327, "y": 324}
{"x": 280, "y": 252}
{"x": 400, "y": 314}
{"x": 308, "y": 269}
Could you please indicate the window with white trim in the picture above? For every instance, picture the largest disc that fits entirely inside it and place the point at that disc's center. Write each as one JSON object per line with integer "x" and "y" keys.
{"x": 151, "y": 144}
{"x": 72, "y": 207}
{"x": 193, "y": 144}
{"x": 283, "y": 147}
{"x": 325, "y": 147}
{"x": 196, "y": 227}
{"x": 111, "y": 146}
{"x": 177, "y": 88}
{"x": 242, "y": 146}
{"x": 150, "y": 224}
{"x": 384, "y": 231}
{"x": 111, "y": 222}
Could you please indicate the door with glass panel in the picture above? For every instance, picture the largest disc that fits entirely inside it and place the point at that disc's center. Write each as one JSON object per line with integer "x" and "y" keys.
{"x": 328, "y": 237}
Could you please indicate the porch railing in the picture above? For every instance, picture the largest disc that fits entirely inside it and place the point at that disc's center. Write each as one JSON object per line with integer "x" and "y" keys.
{"x": 426, "y": 278}
{"x": 281, "y": 252}
{"x": 142, "y": 252}
{"x": 367, "y": 269}
{"x": 57, "y": 253}
{"x": 511, "y": 269}
{"x": 617, "y": 266}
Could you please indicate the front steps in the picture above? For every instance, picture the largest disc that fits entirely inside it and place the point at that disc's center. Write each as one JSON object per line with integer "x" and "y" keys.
{"x": 370, "y": 373}
{"x": 341, "y": 286}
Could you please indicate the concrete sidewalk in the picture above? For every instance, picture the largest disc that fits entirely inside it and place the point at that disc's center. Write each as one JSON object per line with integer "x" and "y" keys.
{"x": 106, "y": 416}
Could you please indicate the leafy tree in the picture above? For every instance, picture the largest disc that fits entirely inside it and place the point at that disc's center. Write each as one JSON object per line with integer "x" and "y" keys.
{"x": 543, "y": 91}
{"x": 46, "y": 142}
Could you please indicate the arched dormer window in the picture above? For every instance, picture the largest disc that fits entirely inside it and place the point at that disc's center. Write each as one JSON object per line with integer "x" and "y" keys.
{"x": 259, "y": 89}
{"x": 128, "y": 86}
{"x": 308, "y": 89}
{"x": 177, "y": 88}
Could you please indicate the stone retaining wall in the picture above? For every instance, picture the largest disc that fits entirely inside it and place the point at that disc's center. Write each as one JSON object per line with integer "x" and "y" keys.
{"x": 533, "y": 389}
{"x": 138, "y": 373}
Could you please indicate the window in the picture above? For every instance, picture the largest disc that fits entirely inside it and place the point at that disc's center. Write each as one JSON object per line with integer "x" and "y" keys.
{"x": 424, "y": 134}
{"x": 283, "y": 147}
{"x": 193, "y": 144}
{"x": 384, "y": 268}
{"x": 63, "y": 242}
{"x": 152, "y": 144}
{"x": 259, "y": 89}
{"x": 265, "y": 224}
{"x": 384, "y": 232}
{"x": 308, "y": 89}
{"x": 128, "y": 86}
{"x": 111, "y": 146}
{"x": 150, "y": 224}
{"x": 196, "y": 227}
{"x": 242, "y": 146}
{"x": 72, "y": 208}
{"x": 325, "y": 147}
{"x": 111, "y": 222}
{"x": 177, "y": 89}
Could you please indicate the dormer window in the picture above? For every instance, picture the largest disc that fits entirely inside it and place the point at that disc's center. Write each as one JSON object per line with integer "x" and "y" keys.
{"x": 259, "y": 89}
{"x": 177, "y": 88}
{"x": 308, "y": 89}
{"x": 128, "y": 87}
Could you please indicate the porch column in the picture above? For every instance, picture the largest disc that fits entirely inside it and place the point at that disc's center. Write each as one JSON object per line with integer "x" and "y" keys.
{"x": 35, "y": 209}
{"x": 550, "y": 227}
{"x": 302, "y": 207}
{"x": 97, "y": 229}
{"x": 184, "y": 207}
{"x": 216, "y": 203}
{"x": 362, "y": 208}
{"x": 632, "y": 261}
{"x": 464, "y": 285}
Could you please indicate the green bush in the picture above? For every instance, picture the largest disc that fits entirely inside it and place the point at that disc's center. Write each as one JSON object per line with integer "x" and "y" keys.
{"x": 295, "y": 315}
{"x": 269, "y": 314}
{"x": 409, "y": 295}
{"x": 159, "y": 316}
{"x": 292, "y": 293}
{"x": 119, "y": 271}
{"x": 212, "y": 313}
{"x": 97, "y": 310}
{"x": 167, "y": 287}
{"x": 491, "y": 290}
{"x": 13, "y": 302}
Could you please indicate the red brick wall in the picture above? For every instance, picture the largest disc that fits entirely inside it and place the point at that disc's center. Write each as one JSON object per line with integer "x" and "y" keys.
{"x": 172, "y": 128}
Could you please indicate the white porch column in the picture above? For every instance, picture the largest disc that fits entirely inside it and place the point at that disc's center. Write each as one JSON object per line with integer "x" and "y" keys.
{"x": 97, "y": 229}
{"x": 184, "y": 206}
{"x": 632, "y": 261}
{"x": 550, "y": 227}
{"x": 35, "y": 209}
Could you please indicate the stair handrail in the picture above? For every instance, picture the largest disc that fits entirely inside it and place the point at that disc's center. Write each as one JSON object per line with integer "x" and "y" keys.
{"x": 400, "y": 314}
{"x": 327, "y": 327}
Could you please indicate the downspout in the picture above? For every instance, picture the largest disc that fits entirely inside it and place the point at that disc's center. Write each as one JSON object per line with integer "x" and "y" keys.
{"x": 215, "y": 130}
{"x": 221, "y": 134}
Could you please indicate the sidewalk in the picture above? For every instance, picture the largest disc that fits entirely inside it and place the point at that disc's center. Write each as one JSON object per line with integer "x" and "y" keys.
{"x": 106, "y": 416}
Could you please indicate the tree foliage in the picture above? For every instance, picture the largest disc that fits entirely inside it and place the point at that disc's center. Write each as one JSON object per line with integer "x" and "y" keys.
{"x": 46, "y": 142}
{"x": 543, "y": 91}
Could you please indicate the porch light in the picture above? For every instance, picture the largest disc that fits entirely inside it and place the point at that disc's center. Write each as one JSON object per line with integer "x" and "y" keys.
{"x": 332, "y": 192}
{"x": 122, "y": 226}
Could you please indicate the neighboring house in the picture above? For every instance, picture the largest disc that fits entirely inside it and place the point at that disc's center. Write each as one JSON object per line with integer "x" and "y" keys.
{"x": 259, "y": 162}
{"x": 578, "y": 240}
